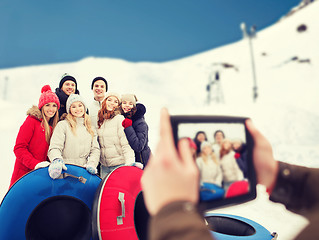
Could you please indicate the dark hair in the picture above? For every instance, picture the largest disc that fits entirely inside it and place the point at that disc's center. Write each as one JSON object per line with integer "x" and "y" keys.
{"x": 217, "y": 131}
{"x": 199, "y": 132}
{"x": 129, "y": 114}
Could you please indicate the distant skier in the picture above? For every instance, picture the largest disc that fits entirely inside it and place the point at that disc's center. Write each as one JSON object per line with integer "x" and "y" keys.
{"x": 34, "y": 136}
{"x": 135, "y": 127}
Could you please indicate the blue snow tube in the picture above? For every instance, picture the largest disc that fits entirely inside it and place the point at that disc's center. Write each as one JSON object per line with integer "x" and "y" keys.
{"x": 210, "y": 191}
{"x": 231, "y": 227}
{"x": 38, "y": 207}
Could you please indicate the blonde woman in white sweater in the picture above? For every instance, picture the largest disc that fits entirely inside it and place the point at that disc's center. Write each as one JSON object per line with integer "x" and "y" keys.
{"x": 208, "y": 165}
{"x": 74, "y": 140}
{"x": 115, "y": 149}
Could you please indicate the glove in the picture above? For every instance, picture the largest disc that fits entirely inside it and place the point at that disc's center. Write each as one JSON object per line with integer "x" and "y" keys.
{"x": 42, "y": 164}
{"x": 55, "y": 168}
{"x": 136, "y": 164}
{"x": 127, "y": 122}
{"x": 91, "y": 169}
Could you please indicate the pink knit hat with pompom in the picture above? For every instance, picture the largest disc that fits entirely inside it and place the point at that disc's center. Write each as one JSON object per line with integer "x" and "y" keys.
{"x": 48, "y": 96}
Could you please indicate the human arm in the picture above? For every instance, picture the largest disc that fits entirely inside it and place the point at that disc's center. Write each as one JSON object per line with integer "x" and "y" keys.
{"x": 127, "y": 151}
{"x": 21, "y": 148}
{"x": 56, "y": 149}
{"x": 265, "y": 165}
{"x": 297, "y": 188}
{"x": 57, "y": 141}
{"x": 294, "y": 186}
{"x": 137, "y": 135}
{"x": 94, "y": 157}
{"x": 178, "y": 221}
{"x": 171, "y": 177}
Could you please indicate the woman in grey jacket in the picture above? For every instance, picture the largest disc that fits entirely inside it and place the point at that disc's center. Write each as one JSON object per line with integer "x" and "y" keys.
{"x": 74, "y": 140}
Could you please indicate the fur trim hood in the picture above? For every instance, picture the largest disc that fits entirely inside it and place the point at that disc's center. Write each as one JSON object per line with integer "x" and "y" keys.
{"x": 35, "y": 112}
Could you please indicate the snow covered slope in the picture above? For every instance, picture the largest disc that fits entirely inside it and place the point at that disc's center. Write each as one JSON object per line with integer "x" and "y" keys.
{"x": 286, "y": 111}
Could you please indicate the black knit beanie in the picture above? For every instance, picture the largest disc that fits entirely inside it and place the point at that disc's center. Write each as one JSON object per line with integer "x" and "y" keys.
{"x": 68, "y": 78}
{"x": 97, "y": 79}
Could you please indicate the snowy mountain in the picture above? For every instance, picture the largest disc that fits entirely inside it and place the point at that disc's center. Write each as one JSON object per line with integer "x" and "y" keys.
{"x": 286, "y": 110}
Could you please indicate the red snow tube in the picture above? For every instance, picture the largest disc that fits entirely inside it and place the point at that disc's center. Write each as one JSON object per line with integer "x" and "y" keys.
{"x": 118, "y": 210}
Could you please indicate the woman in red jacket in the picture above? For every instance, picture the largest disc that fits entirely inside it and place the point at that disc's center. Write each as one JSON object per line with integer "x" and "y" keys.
{"x": 33, "y": 139}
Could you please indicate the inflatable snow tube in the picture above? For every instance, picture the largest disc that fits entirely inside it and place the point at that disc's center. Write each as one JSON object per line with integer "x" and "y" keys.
{"x": 118, "y": 210}
{"x": 231, "y": 227}
{"x": 38, "y": 207}
{"x": 210, "y": 191}
{"x": 237, "y": 188}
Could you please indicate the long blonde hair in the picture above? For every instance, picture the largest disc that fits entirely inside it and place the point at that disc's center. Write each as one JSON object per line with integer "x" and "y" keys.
{"x": 52, "y": 122}
{"x": 87, "y": 123}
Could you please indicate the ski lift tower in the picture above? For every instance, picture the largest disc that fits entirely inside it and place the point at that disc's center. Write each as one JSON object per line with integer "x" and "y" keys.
{"x": 250, "y": 35}
{"x": 213, "y": 88}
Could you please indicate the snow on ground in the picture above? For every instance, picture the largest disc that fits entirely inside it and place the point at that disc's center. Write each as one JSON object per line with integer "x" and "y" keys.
{"x": 286, "y": 110}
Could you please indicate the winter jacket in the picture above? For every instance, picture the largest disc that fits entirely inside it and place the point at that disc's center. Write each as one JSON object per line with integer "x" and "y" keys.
{"x": 210, "y": 171}
{"x": 216, "y": 149}
{"x": 94, "y": 109}
{"x": 63, "y": 97}
{"x": 31, "y": 146}
{"x": 115, "y": 149}
{"x": 297, "y": 188}
{"x": 198, "y": 143}
{"x": 230, "y": 169}
{"x": 137, "y": 135}
{"x": 241, "y": 159}
{"x": 78, "y": 149}
{"x": 176, "y": 221}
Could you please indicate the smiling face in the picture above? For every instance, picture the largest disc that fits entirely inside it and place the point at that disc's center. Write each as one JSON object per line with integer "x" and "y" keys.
{"x": 99, "y": 90}
{"x": 68, "y": 87}
{"x": 207, "y": 150}
{"x": 127, "y": 106}
{"x": 77, "y": 109}
{"x": 236, "y": 144}
{"x": 219, "y": 137}
{"x": 50, "y": 109}
{"x": 111, "y": 103}
{"x": 201, "y": 137}
{"x": 226, "y": 144}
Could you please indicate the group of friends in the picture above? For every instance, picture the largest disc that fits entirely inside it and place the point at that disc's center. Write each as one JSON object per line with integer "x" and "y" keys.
{"x": 112, "y": 132}
{"x": 63, "y": 129}
{"x": 222, "y": 162}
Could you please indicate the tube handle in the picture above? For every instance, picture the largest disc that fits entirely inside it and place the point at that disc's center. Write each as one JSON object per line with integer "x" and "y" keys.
{"x": 122, "y": 201}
